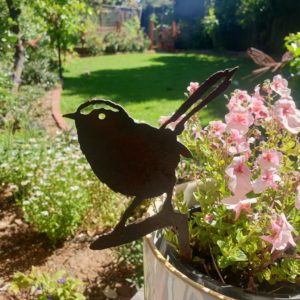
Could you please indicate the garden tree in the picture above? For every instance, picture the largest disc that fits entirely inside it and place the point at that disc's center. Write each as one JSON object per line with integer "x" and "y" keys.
{"x": 64, "y": 20}
{"x": 14, "y": 12}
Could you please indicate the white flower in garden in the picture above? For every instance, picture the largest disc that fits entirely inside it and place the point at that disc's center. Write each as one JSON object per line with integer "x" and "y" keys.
{"x": 240, "y": 121}
{"x": 192, "y": 87}
{"x": 45, "y": 213}
{"x": 239, "y": 101}
{"x": 280, "y": 86}
{"x": 239, "y": 177}
{"x": 267, "y": 179}
{"x": 269, "y": 159}
{"x": 216, "y": 128}
{"x": 287, "y": 114}
{"x": 238, "y": 204}
{"x": 74, "y": 188}
{"x": 281, "y": 234}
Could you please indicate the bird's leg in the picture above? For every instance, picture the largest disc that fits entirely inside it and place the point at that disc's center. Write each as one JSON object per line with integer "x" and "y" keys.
{"x": 126, "y": 215}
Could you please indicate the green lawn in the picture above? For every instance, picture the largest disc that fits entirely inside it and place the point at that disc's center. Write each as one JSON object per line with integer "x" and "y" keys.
{"x": 149, "y": 85}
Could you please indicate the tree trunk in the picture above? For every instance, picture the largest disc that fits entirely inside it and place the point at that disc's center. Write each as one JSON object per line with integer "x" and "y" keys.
{"x": 14, "y": 13}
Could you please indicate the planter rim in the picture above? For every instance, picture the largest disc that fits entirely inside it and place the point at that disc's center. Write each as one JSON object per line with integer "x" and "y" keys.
{"x": 177, "y": 273}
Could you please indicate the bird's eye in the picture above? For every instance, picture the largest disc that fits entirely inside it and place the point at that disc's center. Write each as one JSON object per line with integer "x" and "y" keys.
{"x": 102, "y": 116}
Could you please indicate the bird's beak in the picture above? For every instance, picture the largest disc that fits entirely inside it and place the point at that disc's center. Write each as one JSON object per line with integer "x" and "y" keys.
{"x": 70, "y": 116}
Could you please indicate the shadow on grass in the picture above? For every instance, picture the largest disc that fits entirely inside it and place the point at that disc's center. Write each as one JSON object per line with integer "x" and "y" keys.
{"x": 166, "y": 80}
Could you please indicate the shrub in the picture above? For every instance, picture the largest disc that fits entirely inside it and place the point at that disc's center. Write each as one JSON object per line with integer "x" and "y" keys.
{"x": 130, "y": 38}
{"x": 56, "y": 186}
{"x": 43, "y": 286}
{"x": 132, "y": 255}
{"x": 292, "y": 43}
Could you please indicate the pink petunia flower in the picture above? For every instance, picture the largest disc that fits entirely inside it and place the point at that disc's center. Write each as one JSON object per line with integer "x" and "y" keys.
{"x": 241, "y": 205}
{"x": 192, "y": 87}
{"x": 197, "y": 132}
{"x": 281, "y": 234}
{"x": 239, "y": 101}
{"x": 269, "y": 159}
{"x": 172, "y": 125}
{"x": 259, "y": 109}
{"x": 267, "y": 179}
{"x": 216, "y": 128}
{"x": 287, "y": 114}
{"x": 240, "y": 121}
{"x": 280, "y": 86}
{"x": 239, "y": 177}
{"x": 236, "y": 143}
{"x": 297, "y": 203}
{"x": 209, "y": 218}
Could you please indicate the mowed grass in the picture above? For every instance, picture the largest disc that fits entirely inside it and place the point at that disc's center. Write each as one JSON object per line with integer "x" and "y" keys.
{"x": 150, "y": 85}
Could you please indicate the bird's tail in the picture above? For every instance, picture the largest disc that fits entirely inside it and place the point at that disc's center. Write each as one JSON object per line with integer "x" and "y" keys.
{"x": 225, "y": 75}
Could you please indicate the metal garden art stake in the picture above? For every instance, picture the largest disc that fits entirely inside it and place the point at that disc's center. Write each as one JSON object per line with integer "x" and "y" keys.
{"x": 139, "y": 160}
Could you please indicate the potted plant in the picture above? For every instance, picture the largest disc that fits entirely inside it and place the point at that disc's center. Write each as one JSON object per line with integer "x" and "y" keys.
{"x": 244, "y": 227}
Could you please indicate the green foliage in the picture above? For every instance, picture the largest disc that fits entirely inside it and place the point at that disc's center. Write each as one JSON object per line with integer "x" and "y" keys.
{"x": 132, "y": 255}
{"x": 17, "y": 110}
{"x": 55, "y": 184}
{"x": 211, "y": 23}
{"x": 43, "y": 286}
{"x": 63, "y": 19}
{"x": 130, "y": 38}
{"x": 292, "y": 43}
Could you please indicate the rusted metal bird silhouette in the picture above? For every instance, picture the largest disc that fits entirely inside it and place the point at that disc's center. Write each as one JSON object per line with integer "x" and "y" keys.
{"x": 267, "y": 62}
{"x": 139, "y": 160}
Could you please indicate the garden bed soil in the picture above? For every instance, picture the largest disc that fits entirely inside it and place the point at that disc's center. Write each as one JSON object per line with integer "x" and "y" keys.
{"x": 22, "y": 247}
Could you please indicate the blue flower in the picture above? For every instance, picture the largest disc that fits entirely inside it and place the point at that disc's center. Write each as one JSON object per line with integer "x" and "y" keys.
{"x": 61, "y": 280}
{"x": 49, "y": 297}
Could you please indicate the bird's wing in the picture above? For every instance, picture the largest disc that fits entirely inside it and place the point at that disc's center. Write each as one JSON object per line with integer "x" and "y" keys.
{"x": 260, "y": 58}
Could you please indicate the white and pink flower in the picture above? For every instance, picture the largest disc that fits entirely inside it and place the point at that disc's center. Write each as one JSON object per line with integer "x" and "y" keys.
{"x": 241, "y": 205}
{"x": 240, "y": 121}
{"x": 239, "y": 177}
{"x": 268, "y": 178}
{"x": 164, "y": 119}
{"x": 239, "y": 101}
{"x": 269, "y": 159}
{"x": 259, "y": 109}
{"x": 286, "y": 113}
{"x": 280, "y": 86}
{"x": 236, "y": 143}
{"x": 193, "y": 87}
{"x": 281, "y": 234}
{"x": 216, "y": 128}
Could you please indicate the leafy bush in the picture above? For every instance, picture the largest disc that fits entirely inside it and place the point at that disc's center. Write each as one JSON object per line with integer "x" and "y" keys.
{"x": 130, "y": 38}
{"x": 18, "y": 110}
{"x": 132, "y": 255}
{"x": 56, "y": 186}
{"x": 43, "y": 286}
{"x": 39, "y": 68}
{"x": 292, "y": 43}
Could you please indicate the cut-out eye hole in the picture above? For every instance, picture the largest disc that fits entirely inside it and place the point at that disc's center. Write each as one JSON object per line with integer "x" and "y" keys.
{"x": 101, "y": 116}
